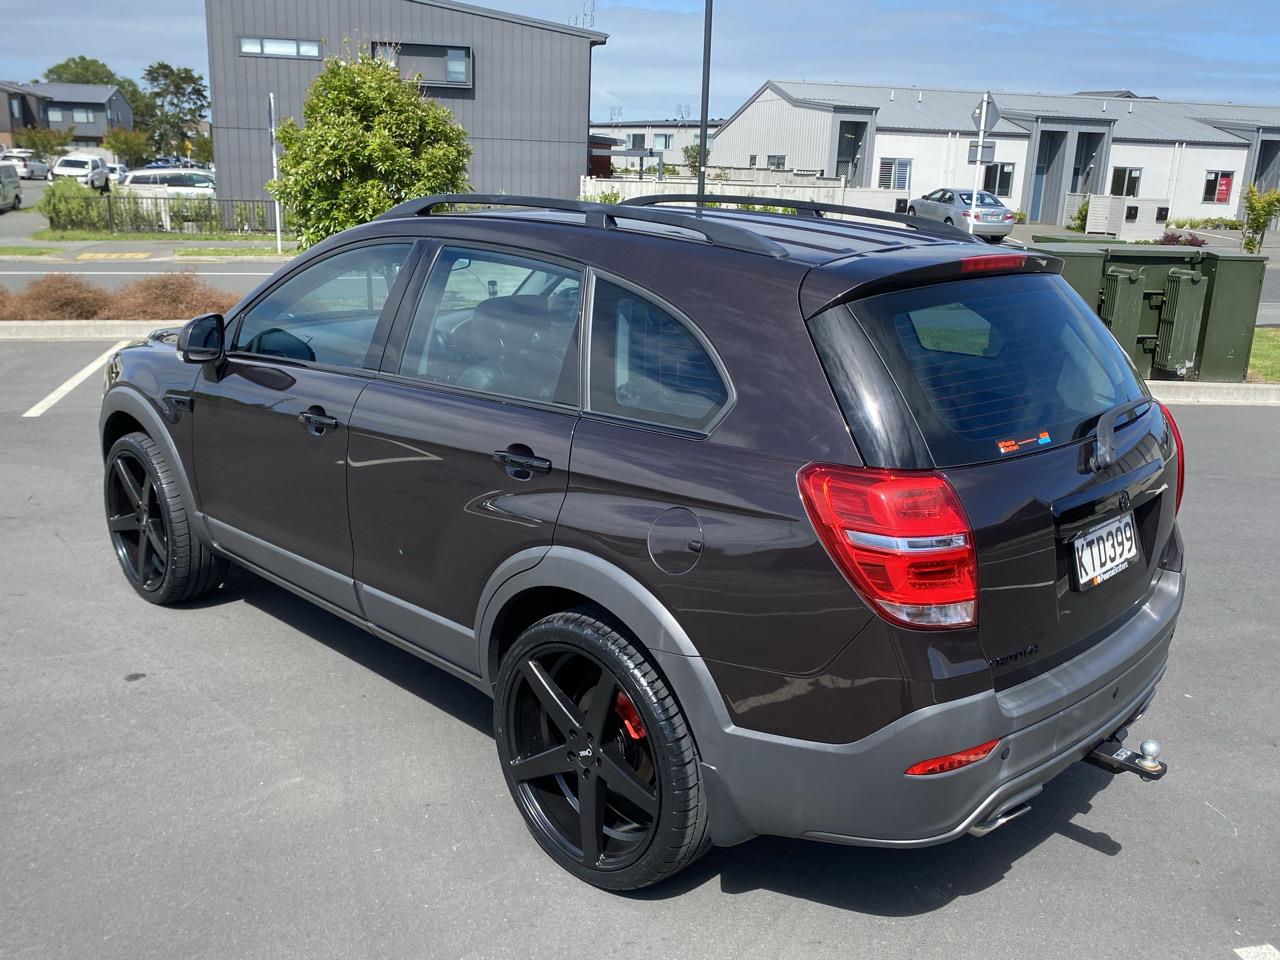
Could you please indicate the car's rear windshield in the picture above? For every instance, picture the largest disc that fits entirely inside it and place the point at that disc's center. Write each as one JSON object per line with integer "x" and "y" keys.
{"x": 984, "y": 199}
{"x": 994, "y": 367}
{"x": 74, "y": 164}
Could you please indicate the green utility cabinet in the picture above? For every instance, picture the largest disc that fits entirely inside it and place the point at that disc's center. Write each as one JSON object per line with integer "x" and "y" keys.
{"x": 1179, "y": 312}
{"x": 1231, "y": 311}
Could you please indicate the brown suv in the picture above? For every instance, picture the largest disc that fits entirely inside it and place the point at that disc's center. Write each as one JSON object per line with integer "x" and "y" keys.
{"x": 750, "y": 522}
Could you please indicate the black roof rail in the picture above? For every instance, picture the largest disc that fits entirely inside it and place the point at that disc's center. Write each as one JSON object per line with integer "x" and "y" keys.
{"x": 601, "y": 216}
{"x": 806, "y": 208}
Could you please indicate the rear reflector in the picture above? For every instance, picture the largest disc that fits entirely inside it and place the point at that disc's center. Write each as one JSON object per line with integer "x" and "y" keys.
{"x": 1000, "y": 261}
{"x": 1182, "y": 457}
{"x": 952, "y": 761}
{"x": 900, "y": 538}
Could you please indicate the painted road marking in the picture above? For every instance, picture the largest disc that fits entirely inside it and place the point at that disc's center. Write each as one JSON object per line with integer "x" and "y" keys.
{"x": 113, "y": 256}
{"x": 1264, "y": 952}
{"x": 132, "y": 273}
{"x": 75, "y": 380}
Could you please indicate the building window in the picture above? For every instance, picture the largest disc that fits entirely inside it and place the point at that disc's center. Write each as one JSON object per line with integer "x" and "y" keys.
{"x": 80, "y": 115}
{"x": 776, "y": 161}
{"x": 1217, "y": 186}
{"x": 895, "y": 173}
{"x": 15, "y": 108}
{"x": 55, "y": 114}
{"x": 435, "y": 66}
{"x": 662, "y": 141}
{"x": 272, "y": 47}
{"x": 998, "y": 179}
{"x": 751, "y": 161}
{"x": 1125, "y": 181}
{"x": 636, "y": 141}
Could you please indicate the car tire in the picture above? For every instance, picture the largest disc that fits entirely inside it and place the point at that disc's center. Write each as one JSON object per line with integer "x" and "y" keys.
{"x": 578, "y": 706}
{"x": 161, "y": 556}
{"x": 911, "y": 211}
{"x": 949, "y": 221}
{"x": 994, "y": 239}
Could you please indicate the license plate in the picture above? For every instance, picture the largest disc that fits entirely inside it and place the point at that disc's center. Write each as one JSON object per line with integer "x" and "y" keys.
{"x": 991, "y": 216}
{"x": 1105, "y": 550}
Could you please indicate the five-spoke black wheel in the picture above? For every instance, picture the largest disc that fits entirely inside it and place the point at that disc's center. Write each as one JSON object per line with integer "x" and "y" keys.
{"x": 149, "y": 528}
{"x": 597, "y": 755}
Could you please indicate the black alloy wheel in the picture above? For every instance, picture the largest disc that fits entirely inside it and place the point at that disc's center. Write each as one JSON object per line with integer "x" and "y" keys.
{"x": 139, "y": 530}
{"x": 597, "y": 755}
{"x": 162, "y": 558}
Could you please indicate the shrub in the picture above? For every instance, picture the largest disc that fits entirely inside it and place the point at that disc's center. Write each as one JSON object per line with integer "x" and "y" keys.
{"x": 58, "y": 296}
{"x": 1206, "y": 223}
{"x": 1172, "y": 238}
{"x": 1019, "y": 216}
{"x": 1080, "y": 219}
{"x": 369, "y": 140}
{"x": 605, "y": 196}
{"x": 167, "y": 296}
{"x": 69, "y": 205}
{"x": 1260, "y": 210}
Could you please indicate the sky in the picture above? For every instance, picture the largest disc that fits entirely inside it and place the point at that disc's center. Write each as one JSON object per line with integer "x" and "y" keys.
{"x": 651, "y": 66}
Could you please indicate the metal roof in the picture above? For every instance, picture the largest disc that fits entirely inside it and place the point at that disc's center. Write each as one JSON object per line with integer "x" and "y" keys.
{"x": 74, "y": 92}
{"x": 595, "y": 36}
{"x": 941, "y": 109}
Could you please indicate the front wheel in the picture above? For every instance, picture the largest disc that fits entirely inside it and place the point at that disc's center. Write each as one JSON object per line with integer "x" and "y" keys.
{"x": 597, "y": 754}
{"x": 160, "y": 555}
{"x": 911, "y": 211}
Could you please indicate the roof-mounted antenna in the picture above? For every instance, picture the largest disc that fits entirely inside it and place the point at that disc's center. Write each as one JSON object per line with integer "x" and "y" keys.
{"x": 1104, "y": 106}
{"x": 1131, "y": 106}
{"x": 891, "y": 93}
{"x": 919, "y": 96}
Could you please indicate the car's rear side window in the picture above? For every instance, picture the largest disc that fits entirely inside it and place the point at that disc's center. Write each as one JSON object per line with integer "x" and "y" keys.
{"x": 994, "y": 367}
{"x": 647, "y": 365}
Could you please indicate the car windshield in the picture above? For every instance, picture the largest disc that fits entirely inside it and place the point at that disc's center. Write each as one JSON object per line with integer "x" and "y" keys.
{"x": 984, "y": 199}
{"x": 74, "y": 164}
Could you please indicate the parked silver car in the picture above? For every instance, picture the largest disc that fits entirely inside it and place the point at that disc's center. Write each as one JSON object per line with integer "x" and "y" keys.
{"x": 88, "y": 169}
{"x": 952, "y": 205}
{"x": 28, "y": 165}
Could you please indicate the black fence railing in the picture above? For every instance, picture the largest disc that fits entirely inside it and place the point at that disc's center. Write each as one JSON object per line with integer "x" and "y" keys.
{"x": 121, "y": 212}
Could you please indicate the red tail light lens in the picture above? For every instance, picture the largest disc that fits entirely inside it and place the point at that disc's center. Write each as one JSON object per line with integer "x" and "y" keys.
{"x": 1007, "y": 216}
{"x": 1182, "y": 457}
{"x": 901, "y": 539}
{"x": 952, "y": 761}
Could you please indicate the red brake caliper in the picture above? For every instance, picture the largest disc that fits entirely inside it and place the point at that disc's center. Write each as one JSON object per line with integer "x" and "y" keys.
{"x": 629, "y": 716}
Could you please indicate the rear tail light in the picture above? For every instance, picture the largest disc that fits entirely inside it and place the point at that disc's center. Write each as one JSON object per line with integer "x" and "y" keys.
{"x": 952, "y": 761}
{"x": 1182, "y": 458}
{"x": 900, "y": 538}
{"x": 1008, "y": 216}
{"x": 966, "y": 213}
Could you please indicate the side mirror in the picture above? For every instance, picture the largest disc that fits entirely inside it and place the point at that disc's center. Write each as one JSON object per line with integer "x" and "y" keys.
{"x": 201, "y": 340}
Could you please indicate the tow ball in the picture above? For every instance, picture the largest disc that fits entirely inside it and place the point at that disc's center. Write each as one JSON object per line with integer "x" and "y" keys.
{"x": 1112, "y": 755}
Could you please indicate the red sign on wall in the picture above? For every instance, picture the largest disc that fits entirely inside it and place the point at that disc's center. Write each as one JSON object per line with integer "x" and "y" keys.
{"x": 1224, "y": 188}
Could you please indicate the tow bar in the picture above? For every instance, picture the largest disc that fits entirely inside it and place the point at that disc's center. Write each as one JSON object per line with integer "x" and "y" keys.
{"x": 1112, "y": 755}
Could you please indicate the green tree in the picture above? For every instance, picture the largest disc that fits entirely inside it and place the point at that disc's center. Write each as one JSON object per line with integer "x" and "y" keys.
{"x": 690, "y": 154}
{"x": 202, "y": 149}
{"x": 1259, "y": 210}
{"x": 369, "y": 141}
{"x": 46, "y": 144}
{"x": 131, "y": 146}
{"x": 180, "y": 100}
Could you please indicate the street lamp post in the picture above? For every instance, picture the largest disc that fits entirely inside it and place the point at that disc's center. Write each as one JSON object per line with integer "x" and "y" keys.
{"x": 706, "y": 95}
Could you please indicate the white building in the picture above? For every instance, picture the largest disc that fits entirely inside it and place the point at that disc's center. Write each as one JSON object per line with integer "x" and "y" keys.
{"x": 665, "y": 137}
{"x": 1196, "y": 156}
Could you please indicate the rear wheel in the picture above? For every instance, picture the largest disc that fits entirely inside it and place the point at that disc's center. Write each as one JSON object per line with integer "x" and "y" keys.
{"x": 911, "y": 211}
{"x": 950, "y": 221}
{"x": 597, "y": 754}
{"x": 159, "y": 553}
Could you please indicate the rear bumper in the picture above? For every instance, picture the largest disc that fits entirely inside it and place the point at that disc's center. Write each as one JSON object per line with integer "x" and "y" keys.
{"x": 992, "y": 229}
{"x": 857, "y": 793}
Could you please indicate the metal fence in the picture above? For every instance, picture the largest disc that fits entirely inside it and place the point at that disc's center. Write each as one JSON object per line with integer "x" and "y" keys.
{"x": 122, "y": 212}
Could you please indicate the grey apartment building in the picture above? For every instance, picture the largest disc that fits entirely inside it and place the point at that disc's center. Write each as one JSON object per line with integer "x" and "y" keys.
{"x": 519, "y": 86}
{"x": 88, "y": 110}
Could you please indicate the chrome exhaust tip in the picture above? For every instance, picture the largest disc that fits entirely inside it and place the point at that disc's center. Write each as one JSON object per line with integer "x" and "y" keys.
{"x": 998, "y": 821}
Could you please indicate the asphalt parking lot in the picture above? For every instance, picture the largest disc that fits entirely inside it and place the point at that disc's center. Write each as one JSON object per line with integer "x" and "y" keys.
{"x": 252, "y": 777}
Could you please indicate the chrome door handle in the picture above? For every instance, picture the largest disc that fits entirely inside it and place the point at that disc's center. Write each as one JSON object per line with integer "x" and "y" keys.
{"x": 520, "y": 461}
{"x": 318, "y": 423}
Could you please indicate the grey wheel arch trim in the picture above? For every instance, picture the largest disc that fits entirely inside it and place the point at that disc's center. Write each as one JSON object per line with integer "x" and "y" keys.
{"x": 124, "y": 399}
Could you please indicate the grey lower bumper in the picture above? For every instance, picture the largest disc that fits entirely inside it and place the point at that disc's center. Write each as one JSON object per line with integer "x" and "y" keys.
{"x": 857, "y": 792}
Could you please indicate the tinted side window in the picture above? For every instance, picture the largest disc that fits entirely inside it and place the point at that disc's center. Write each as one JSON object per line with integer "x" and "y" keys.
{"x": 499, "y": 323}
{"x": 647, "y": 365}
{"x": 328, "y": 313}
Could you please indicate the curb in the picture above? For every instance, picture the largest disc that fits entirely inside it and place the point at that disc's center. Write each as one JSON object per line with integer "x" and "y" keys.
{"x": 81, "y": 329}
{"x": 1178, "y": 391}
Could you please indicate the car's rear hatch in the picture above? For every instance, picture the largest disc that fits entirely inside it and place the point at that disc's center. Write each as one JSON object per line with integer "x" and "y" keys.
{"x": 1003, "y": 381}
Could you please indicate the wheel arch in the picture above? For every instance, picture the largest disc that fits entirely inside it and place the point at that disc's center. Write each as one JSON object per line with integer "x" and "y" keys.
{"x": 124, "y": 410}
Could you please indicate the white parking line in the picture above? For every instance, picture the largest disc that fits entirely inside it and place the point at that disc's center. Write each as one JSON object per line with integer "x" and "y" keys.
{"x": 1264, "y": 952}
{"x": 74, "y": 381}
